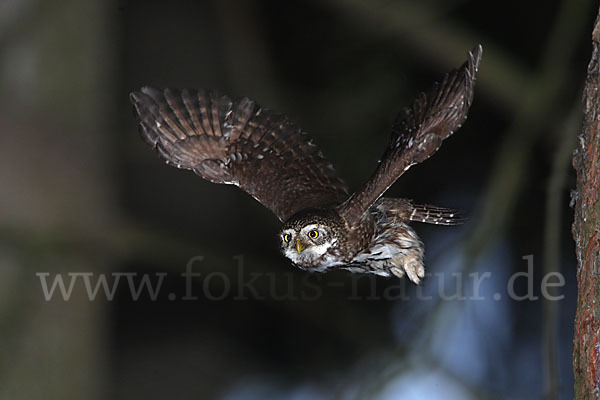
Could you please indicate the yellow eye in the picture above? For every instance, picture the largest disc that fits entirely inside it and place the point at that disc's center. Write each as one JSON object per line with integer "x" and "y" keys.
{"x": 286, "y": 238}
{"x": 313, "y": 234}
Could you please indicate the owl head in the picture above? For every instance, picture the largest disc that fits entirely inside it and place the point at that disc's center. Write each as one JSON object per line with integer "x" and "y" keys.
{"x": 307, "y": 240}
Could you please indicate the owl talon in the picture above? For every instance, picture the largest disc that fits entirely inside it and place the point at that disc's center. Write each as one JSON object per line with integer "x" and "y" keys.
{"x": 398, "y": 272}
{"x": 412, "y": 266}
{"x": 415, "y": 271}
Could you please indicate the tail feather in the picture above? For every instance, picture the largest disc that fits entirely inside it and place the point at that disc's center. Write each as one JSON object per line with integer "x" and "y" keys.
{"x": 406, "y": 210}
{"x": 435, "y": 215}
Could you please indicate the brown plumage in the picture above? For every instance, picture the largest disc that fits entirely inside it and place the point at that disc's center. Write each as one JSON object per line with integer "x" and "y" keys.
{"x": 262, "y": 152}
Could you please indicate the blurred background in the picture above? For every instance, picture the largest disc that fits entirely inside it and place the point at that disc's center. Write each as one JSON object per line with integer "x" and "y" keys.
{"x": 82, "y": 197}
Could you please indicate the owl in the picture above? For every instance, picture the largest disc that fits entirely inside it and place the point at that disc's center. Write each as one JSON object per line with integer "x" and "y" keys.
{"x": 324, "y": 227}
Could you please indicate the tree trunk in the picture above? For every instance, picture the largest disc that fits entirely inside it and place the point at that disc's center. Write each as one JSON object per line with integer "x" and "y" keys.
{"x": 586, "y": 160}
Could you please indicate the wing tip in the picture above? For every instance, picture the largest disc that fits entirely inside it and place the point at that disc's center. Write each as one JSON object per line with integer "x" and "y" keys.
{"x": 137, "y": 97}
{"x": 475, "y": 57}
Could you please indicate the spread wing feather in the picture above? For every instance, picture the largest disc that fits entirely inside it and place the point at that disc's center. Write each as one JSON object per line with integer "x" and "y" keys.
{"x": 405, "y": 210}
{"x": 418, "y": 133}
{"x": 237, "y": 142}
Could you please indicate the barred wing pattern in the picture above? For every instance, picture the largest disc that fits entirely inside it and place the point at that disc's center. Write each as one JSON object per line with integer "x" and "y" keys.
{"x": 237, "y": 142}
{"x": 418, "y": 133}
{"x": 403, "y": 209}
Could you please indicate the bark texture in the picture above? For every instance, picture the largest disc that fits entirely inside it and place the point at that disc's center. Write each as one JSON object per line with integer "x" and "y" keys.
{"x": 586, "y": 160}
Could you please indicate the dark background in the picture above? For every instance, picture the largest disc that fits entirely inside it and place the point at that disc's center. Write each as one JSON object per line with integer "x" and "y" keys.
{"x": 80, "y": 192}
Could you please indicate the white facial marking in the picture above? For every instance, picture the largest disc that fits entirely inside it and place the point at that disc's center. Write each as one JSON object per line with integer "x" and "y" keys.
{"x": 308, "y": 228}
{"x": 312, "y": 252}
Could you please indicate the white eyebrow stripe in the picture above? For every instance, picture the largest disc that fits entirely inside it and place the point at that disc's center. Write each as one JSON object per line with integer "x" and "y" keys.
{"x": 310, "y": 227}
{"x": 288, "y": 232}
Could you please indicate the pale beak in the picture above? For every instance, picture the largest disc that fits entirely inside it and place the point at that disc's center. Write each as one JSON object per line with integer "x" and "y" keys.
{"x": 299, "y": 246}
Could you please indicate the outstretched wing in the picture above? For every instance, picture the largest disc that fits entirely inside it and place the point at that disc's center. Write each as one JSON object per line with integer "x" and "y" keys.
{"x": 237, "y": 142}
{"x": 417, "y": 133}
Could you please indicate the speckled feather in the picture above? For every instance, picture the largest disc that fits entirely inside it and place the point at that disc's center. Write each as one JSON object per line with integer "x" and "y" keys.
{"x": 237, "y": 142}
{"x": 418, "y": 133}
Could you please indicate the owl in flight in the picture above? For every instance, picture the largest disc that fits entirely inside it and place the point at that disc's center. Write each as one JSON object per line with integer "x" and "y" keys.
{"x": 263, "y": 153}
